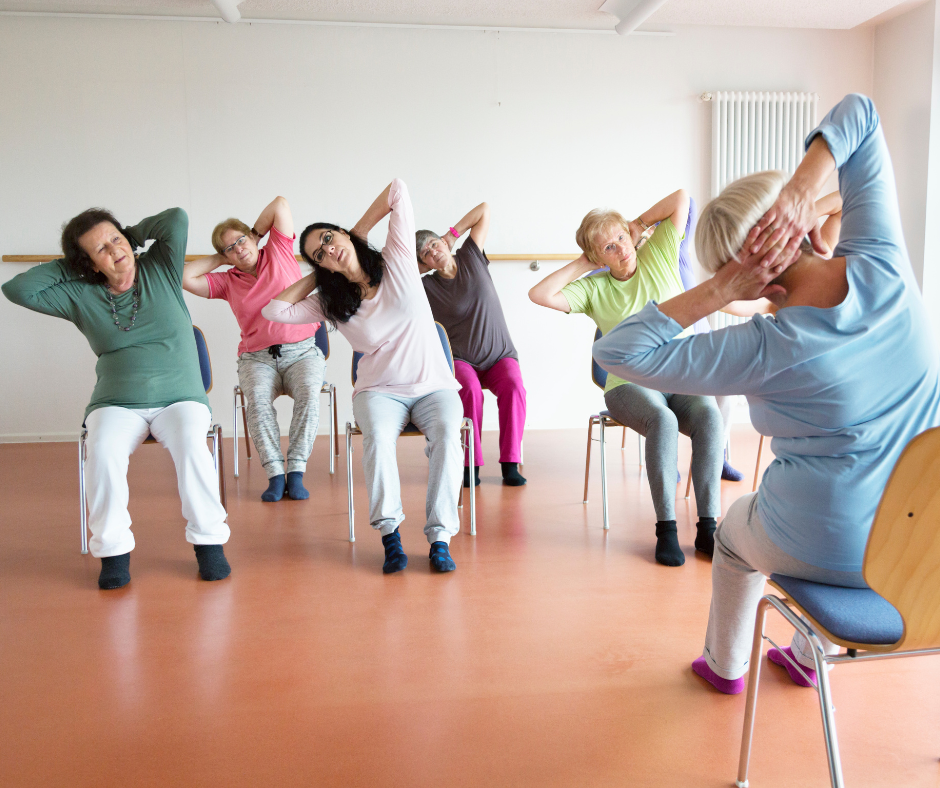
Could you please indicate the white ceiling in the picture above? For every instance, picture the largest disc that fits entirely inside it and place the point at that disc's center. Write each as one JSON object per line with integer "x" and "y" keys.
{"x": 832, "y": 14}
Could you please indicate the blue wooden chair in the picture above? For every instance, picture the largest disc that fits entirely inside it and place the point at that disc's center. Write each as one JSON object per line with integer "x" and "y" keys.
{"x": 895, "y": 617}
{"x": 466, "y": 432}
{"x": 604, "y": 420}
{"x": 215, "y": 435}
{"x": 322, "y": 339}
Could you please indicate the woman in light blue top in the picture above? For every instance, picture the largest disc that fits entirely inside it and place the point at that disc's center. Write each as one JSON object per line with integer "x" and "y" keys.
{"x": 842, "y": 377}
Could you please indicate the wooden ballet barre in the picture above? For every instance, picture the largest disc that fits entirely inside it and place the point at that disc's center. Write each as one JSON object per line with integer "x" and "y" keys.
{"x": 45, "y": 258}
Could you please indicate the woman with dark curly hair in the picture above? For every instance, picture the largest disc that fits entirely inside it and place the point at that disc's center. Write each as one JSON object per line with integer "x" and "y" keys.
{"x": 376, "y": 300}
{"x": 131, "y": 310}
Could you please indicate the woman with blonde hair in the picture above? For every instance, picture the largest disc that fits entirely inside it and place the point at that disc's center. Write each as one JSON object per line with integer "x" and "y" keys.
{"x": 809, "y": 372}
{"x": 634, "y": 277}
{"x": 273, "y": 359}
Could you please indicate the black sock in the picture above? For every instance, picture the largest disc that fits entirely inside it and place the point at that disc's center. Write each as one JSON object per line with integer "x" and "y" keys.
{"x": 466, "y": 475}
{"x": 705, "y": 538}
{"x": 275, "y": 489}
{"x": 668, "y": 552}
{"x": 295, "y": 486}
{"x": 212, "y": 562}
{"x": 511, "y": 475}
{"x": 440, "y": 557}
{"x": 395, "y": 558}
{"x": 115, "y": 572}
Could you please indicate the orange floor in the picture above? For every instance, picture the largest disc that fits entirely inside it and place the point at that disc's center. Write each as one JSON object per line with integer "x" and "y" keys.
{"x": 556, "y": 654}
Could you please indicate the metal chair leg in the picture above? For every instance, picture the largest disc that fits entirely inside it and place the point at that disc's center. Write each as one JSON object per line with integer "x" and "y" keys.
{"x": 604, "y": 474}
{"x": 468, "y": 428}
{"x": 828, "y": 712}
{"x": 639, "y": 448}
{"x": 81, "y": 491}
{"x": 219, "y": 460}
{"x": 335, "y": 423}
{"x": 332, "y": 402}
{"x": 349, "y": 482}
{"x": 760, "y": 449}
{"x": 587, "y": 460}
{"x": 623, "y": 441}
{"x": 235, "y": 430}
{"x": 753, "y": 681}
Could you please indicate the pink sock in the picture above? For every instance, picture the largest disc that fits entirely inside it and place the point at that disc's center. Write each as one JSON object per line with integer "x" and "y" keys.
{"x": 778, "y": 659}
{"x": 727, "y": 686}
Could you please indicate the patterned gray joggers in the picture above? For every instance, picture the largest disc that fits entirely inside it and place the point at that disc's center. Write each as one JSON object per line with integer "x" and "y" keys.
{"x": 298, "y": 373}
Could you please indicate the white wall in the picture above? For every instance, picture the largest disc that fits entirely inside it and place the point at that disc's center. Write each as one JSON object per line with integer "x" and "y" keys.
{"x": 903, "y": 64}
{"x": 139, "y": 116}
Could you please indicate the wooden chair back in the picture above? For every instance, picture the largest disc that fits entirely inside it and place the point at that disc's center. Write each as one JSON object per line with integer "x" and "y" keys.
{"x": 902, "y": 559}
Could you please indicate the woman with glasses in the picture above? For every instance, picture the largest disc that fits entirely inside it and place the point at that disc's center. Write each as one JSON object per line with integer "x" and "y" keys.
{"x": 273, "y": 359}
{"x": 131, "y": 310}
{"x": 376, "y": 300}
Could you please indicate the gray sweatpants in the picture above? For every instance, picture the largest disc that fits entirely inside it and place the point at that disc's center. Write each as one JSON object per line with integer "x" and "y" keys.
{"x": 744, "y": 556}
{"x": 660, "y": 418}
{"x": 298, "y": 373}
{"x": 438, "y": 415}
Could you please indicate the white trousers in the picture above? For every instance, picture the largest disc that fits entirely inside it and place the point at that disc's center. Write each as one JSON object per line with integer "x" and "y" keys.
{"x": 113, "y": 435}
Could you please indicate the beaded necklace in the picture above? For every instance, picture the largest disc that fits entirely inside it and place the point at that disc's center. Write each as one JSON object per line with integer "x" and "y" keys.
{"x": 114, "y": 313}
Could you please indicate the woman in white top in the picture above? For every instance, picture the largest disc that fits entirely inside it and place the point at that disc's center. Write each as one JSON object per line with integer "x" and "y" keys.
{"x": 375, "y": 300}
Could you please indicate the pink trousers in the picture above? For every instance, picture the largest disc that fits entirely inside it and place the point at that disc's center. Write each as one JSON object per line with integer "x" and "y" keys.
{"x": 504, "y": 379}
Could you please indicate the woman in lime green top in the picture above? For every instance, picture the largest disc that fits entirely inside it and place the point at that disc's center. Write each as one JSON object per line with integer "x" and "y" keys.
{"x": 131, "y": 310}
{"x": 639, "y": 271}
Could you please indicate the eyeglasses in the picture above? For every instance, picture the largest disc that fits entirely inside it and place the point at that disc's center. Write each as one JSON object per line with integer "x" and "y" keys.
{"x": 240, "y": 242}
{"x": 325, "y": 239}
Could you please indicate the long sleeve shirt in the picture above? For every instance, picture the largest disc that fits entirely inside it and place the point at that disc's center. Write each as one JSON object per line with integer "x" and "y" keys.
{"x": 394, "y": 330}
{"x": 155, "y": 363}
{"x": 841, "y": 390}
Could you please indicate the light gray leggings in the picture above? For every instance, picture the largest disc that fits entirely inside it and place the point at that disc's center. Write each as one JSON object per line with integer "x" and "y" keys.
{"x": 744, "y": 556}
{"x": 438, "y": 415}
{"x": 660, "y": 418}
{"x": 298, "y": 373}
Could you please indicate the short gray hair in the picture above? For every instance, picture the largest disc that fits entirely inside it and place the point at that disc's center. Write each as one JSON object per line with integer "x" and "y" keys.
{"x": 726, "y": 220}
{"x": 422, "y": 237}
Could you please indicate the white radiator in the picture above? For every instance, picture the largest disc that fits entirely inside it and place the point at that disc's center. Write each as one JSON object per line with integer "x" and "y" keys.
{"x": 752, "y": 132}
{"x": 758, "y": 131}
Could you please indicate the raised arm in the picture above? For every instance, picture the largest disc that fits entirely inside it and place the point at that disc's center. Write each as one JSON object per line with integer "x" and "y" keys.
{"x": 277, "y": 214}
{"x": 170, "y": 230}
{"x": 374, "y": 214}
{"x": 296, "y": 304}
{"x": 674, "y": 207}
{"x": 299, "y": 290}
{"x": 194, "y": 274}
{"x": 477, "y": 221}
{"x": 548, "y": 291}
{"x": 829, "y": 209}
{"x": 50, "y": 288}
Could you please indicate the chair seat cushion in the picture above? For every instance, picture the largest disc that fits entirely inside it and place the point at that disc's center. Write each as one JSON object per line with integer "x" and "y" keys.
{"x": 858, "y": 615}
{"x": 410, "y": 429}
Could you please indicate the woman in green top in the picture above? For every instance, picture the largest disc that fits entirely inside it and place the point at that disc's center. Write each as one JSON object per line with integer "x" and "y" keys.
{"x": 635, "y": 277}
{"x": 131, "y": 310}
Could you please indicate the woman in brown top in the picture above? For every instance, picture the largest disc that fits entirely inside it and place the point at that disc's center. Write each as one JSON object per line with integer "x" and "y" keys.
{"x": 464, "y": 300}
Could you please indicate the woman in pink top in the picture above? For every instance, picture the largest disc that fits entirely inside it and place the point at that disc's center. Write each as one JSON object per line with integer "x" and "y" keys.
{"x": 376, "y": 300}
{"x": 273, "y": 359}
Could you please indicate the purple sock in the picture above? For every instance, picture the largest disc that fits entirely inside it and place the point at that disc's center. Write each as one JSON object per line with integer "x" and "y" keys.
{"x": 727, "y": 686}
{"x": 778, "y": 659}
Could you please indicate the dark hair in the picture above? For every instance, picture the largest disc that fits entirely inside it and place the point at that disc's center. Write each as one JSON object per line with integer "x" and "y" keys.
{"x": 76, "y": 257}
{"x": 340, "y": 298}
